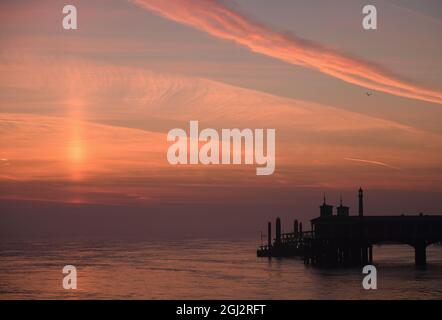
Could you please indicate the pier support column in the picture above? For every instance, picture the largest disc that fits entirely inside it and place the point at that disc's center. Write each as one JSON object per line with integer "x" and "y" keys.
{"x": 364, "y": 255}
{"x": 346, "y": 256}
{"x": 370, "y": 254}
{"x": 420, "y": 254}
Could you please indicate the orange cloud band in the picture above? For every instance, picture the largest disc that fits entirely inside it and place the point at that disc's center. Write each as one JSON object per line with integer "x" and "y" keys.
{"x": 213, "y": 17}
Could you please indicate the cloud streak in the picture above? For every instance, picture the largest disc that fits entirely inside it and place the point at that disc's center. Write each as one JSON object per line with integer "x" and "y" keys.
{"x": 378, "y": 163}
{"x": 222, "y": 22}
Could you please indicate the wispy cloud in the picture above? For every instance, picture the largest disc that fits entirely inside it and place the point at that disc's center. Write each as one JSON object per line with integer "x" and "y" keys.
{"x": 378, "y": 163}
{"x": 220, "y": 21}
{"x": 105, "y": 139}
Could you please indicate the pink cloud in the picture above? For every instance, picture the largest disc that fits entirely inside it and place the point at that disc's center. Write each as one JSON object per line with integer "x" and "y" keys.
{"x": 217, "y": 20}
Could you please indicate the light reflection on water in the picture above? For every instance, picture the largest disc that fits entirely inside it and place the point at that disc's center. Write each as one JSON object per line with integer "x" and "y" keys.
{"x": 203, "y": 269}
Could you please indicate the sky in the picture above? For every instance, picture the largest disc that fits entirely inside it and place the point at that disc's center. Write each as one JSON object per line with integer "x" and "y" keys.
{"x": 84, "y": 114}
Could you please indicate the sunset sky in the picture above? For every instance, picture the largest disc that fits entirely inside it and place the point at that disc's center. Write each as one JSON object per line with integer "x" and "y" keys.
{"x": 84, "y": 114}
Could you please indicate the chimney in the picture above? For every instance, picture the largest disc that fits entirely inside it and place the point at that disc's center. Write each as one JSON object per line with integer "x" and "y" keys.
{"x": 361, "y": 203}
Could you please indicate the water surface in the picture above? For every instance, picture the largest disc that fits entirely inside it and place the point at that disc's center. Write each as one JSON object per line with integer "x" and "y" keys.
{"x": 202, "y": 269}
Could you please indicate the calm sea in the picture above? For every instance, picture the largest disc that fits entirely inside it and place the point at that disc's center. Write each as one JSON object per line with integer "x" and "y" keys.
{"x": 202, "y": 269}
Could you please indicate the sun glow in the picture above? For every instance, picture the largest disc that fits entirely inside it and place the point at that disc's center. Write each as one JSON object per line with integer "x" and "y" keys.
{"x": 76, "y": 148}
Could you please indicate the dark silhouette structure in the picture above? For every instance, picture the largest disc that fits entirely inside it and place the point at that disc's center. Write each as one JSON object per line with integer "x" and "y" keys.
{"x": 344, "y": 240}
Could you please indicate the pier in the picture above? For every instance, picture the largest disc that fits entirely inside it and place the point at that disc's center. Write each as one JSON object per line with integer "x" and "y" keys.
{"x": 343, "y": 240}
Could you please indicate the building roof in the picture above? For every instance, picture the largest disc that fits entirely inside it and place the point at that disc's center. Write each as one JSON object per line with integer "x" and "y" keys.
{"x": 388, "y": 218}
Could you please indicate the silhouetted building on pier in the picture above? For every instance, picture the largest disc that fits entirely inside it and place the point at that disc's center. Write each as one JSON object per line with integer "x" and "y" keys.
{"x": 326, "y": 210}
{"x": 342, "y": 211}
{"x": 342, "y": 239}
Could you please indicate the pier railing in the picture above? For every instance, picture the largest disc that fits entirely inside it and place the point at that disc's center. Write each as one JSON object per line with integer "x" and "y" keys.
{"x": 293, "y": 235}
